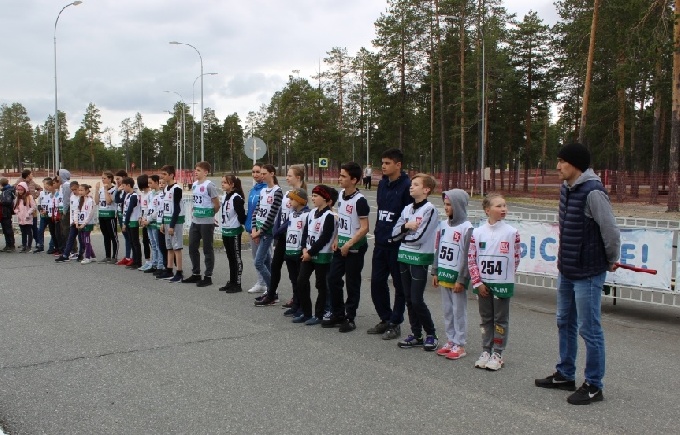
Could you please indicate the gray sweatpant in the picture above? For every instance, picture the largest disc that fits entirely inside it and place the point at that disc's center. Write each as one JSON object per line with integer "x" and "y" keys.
{"x": 196, "y": 233}
{"x": 495, "y": 316}
{"x": 454, "y": 306}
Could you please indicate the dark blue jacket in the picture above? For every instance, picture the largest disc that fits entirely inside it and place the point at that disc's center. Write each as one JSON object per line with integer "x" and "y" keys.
{"x": 392, "y": 198}
{"x": 582, "y": 252}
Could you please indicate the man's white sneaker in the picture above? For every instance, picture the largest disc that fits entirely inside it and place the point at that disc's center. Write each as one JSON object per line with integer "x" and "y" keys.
{"x": 86, "y": 261}
{"x": 483, "y": 360}
{"x": 257, "y": 288}
{"x": 495, "y": 362}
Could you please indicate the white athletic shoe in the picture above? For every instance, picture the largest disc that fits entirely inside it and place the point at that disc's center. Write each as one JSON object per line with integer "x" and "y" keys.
{"x": 483, "y": 360}
{"x": 86, "y": 261}
{"x": 257, "y": 288}
{"x": 495, "y": 362}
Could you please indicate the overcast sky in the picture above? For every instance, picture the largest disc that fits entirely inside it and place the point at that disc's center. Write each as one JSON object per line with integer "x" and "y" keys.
{"x": 115, "y": 53}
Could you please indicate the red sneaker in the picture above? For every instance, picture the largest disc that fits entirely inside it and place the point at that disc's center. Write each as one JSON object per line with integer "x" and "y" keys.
{"x": 456, "y": 352}
{"x": 444, "y": 350}
{"x": 123, "y": 262}
{"x": 129, "y": 261}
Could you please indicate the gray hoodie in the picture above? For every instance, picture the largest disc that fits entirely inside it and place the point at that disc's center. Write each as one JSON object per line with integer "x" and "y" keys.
{"x": 459, "y": 204}
{"x": 65, "y": 177}
{"x": 599, "y": 209}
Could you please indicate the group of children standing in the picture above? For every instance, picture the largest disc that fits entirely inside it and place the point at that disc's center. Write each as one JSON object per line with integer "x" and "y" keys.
{"x": 330, "y": 242}
{"x": 327, "y": 240}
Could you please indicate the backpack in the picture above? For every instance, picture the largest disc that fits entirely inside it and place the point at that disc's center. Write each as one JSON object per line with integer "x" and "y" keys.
{"x": 7, "y": 197}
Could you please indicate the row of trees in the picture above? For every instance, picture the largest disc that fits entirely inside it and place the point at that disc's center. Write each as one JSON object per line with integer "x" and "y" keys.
{"x": 421, "y": 90}
{"x": 601, "y": 74}
{"x": 91, "y": 148}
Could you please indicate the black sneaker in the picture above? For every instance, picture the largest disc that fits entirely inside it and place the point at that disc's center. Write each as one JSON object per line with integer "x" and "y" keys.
{"x": 193, "y": 279}
{"x": 393, "y": 331}
{"x": 410, "y": 341}
{"x": 261, "y": 297}
{"x": 225, "y": 287}
{"x": 585, "y": 395}
{"x": 380, "y": 328}
{"x": 556, "y": 381}
{"x": 333, "y": 321}
{"x": 347, "y": 326}
{"x": 266, "y": 301}
{"x": 61, "y": 259}
{"x": 291, "y": 312}
{"x": 177, "y": 278}
{"x": 166, "y": 274}
{"x": 151, "y": 270}
{"x": 234, "y": 288}
{"x": 51, "y": 251}
{"x": 205, "y": 282}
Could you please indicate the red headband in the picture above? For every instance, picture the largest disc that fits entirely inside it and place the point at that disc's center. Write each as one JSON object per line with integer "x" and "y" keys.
{"x": 325, "y": 194}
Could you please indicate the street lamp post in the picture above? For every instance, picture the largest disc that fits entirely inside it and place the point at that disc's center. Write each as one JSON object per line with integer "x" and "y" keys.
{"x": 201, "y": 58}
{"x": 482, "y": 137}
{"x": 56, "y": 107}
{"x": 193, "y": 88}
{"x": 182, "y": 162}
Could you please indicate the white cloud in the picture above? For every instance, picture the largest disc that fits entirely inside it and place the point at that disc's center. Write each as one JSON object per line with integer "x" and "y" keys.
{"x": 115, "y": 53}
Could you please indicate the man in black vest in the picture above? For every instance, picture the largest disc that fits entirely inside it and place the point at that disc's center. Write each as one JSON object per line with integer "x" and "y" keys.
{"x": 589, "y": 247}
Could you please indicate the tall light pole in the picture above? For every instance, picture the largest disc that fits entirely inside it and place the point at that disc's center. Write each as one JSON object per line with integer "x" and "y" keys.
{"x": 193, "y": 88}
{"x": 177, "y": 137}
{"x": 200, "y": 57}
{"x": 182, "y": 163}
{"x": 482, "y": 137}
{"x": 56, "y": 107}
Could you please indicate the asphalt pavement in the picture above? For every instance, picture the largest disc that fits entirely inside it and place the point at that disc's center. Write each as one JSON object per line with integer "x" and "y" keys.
{"x": 96, "y": 349}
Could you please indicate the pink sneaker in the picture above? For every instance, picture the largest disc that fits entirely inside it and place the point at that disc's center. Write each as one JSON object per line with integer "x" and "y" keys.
{"x": 444, "y": 350}
{"x": 456, "y": 352}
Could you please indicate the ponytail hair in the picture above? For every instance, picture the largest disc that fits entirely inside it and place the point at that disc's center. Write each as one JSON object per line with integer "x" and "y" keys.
{"x": 236, "y": 182}
{"x": 272, "y": 170}
{"x": 299, "y": 172}
{"x": 81, "y": 201}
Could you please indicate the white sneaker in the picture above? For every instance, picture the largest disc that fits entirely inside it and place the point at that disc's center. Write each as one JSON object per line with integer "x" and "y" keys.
{"x": 73, "y": 256}
{"x": 483, "y": 360}
{"x": 495, "y": 362}
{"x": 257, "y": 288}
{"x": 86, "y": 261}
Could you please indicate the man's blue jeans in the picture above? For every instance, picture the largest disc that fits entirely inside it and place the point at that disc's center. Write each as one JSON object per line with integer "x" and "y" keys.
{"x": 579, "y": 313}
{"x": 263, "y": 262}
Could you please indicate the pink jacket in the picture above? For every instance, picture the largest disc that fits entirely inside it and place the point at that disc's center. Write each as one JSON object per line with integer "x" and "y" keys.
{"x": 24, "y": 212}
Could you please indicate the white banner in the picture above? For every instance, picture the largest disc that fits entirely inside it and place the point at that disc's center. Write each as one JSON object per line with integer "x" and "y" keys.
{"x": 650, "y": 249}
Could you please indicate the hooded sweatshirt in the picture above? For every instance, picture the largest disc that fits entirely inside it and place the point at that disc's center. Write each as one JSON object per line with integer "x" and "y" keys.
{"x": 577, "y": 244}
{"x": 459, "y": 203}
{"x": 65, "y": 177}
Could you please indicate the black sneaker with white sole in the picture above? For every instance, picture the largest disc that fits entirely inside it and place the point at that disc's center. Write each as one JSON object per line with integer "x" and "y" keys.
{"x": 585, "y": 395}
{"x": 347, "y": 326}
{"x": 380, "y": 328}
{"x": 556, "y": 381}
